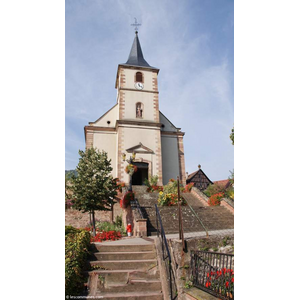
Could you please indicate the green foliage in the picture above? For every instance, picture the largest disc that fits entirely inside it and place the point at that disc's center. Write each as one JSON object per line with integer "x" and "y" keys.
{"x": 106, "y": 226}
{"x": 70, "y": 229}
{"x": 119, "y": 221}
{"x": 93, "y": 188}
{"x": 213, "y": 189}
{"x": 69, "y": 173}
{"x": 225, "y": 241}
{"x": 230, "y": 190}
{"x": 188, "y": 284}
{"x": 216, "y": 188}
{"x": 232, "y": 136}
{"x": 169, "y": 195}
{"x": 153, "y": 180}
{"x": 76, "y": 251}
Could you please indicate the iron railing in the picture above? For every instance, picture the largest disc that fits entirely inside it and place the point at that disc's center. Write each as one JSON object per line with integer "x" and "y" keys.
{"x": 136, "y": 205}
{"x": 213, "y": 272}
{"x": 166, "y": 257}
{"x": 197, "y": 217}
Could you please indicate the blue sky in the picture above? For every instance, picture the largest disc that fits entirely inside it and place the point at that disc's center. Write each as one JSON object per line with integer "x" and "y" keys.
{"x": 191, "y": 42}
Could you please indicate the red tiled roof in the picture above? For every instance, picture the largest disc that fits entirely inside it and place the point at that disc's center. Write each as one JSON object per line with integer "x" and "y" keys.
{"x": 223, "y": 183}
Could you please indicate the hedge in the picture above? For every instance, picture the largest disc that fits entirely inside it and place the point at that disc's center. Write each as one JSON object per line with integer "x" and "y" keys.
{"x": 76, "y": 251}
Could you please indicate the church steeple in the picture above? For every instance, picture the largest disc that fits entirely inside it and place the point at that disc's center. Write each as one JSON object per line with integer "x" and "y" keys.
{"x": 136, "y": 57}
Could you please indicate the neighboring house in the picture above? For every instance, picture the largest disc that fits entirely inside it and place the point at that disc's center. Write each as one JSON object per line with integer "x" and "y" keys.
{"x": 200, "y": 180}
{"x": 223, "y": 183}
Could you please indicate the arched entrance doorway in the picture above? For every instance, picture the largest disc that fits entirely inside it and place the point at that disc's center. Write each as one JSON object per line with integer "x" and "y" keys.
{"x": 139, "y": 177}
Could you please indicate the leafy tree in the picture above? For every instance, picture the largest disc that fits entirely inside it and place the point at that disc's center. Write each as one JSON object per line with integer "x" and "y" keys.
{"x": 232, "y": 136}
{"x": 93, "y": 188}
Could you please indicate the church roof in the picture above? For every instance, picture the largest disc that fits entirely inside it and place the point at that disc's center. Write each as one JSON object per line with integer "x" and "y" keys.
{"x": 136, "y": 57}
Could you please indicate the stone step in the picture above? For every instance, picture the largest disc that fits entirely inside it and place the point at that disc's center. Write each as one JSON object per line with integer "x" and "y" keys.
{"x": 132, "y": 296}
{"x": 102, "y": 247}
{"x": 135, "y": 285}
{"x": 123, "y": 276}
{"x": 142, "y": 264}
{"x": 124, "y": 255}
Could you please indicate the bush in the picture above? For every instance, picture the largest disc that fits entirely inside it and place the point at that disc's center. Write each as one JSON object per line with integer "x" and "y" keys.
{"x": 215, "y": 200}
{"x": 213, "y": 189}
{"x": 152, "y": 184}
{"x": 70, "y": 229}
{"x": 216, "y": 188}
{"x": 76, "y": 251}
{"x": 188, "y": 187}
{"x": 119, "y": 221}
{"x": 106, "y": 226}
{"x": 169, "y": 195}
{"x": 152, "y": 181}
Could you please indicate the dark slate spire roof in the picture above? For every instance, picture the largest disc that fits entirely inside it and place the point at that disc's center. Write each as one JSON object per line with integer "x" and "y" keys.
{"x": 136, "y": 57}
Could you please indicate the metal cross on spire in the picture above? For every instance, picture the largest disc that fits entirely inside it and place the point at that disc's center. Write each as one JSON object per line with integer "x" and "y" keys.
{"x": 136, "y": 24}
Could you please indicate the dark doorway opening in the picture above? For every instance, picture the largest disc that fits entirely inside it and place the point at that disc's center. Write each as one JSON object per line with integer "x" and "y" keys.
{"x": 139, "y": 177}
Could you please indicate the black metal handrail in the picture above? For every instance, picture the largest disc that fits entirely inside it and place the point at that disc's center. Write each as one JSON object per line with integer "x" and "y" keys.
{"x": 166, "y": 257}
{"x": 213, "y": 272}
{"x": 135, "y": 204}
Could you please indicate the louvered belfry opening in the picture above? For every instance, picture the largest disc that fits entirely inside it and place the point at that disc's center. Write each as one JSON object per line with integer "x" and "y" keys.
{"x": 138, "y": 77}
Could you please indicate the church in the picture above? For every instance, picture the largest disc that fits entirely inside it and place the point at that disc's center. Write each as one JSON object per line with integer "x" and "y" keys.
{"x": 136, "y": 125}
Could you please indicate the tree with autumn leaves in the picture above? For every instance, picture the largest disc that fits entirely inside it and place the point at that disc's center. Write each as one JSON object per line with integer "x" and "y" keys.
{"x": 93, "y": 188}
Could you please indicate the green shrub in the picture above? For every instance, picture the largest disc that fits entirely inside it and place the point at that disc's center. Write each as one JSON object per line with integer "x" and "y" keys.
{"x": 70, "y": 229}
{"x": 152, "y": 184}
{"x": 119, "y": 221}
{"x": 76, "y": 251}
{"x": 214, "y": 189}
{"x": 106, "y": 226}
{"x": 169, "y": 195}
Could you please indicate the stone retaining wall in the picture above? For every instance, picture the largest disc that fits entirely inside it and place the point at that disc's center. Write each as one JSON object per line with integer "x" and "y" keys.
{"x": 227, "y": 203}
{"x": 181, "y": 259}
{"x": 78, "y": 219}
{"x": 202, "y": 197}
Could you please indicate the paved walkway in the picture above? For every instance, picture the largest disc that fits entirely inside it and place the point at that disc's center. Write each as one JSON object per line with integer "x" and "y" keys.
{"x": 127, "y": 241}
{"x": 149, "y": 240}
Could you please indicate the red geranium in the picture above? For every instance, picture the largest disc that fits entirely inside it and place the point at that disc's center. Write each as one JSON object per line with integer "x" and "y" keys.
{"x": 106, "y": 236}
{"x": 125, "y": 201}
{"x": 222, "y": 281}
{"x": 215, "y": 199}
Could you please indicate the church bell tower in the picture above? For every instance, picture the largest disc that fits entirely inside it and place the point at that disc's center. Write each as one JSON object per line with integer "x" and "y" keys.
{"x": 138, "y": 115}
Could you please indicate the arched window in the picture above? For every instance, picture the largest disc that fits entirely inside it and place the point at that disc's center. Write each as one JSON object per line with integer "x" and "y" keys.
{"x": 139, "y": 110}
{"x": 139, "y": 77}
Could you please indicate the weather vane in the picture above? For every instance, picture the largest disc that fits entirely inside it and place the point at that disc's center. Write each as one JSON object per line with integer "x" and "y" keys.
{"x": 136, "y": 24}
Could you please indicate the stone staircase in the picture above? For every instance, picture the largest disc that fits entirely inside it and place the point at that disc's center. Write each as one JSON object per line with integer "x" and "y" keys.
{"x": 124, "y": 271}
{"x": 213, "y": 218}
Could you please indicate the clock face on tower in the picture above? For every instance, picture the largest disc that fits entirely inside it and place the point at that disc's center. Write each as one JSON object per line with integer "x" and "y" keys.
{"x": 139, "y": 86}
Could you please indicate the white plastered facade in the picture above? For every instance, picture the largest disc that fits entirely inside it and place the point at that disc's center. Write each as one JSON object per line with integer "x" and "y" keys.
{"x": 153, "y": 137}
